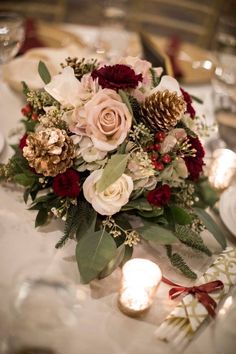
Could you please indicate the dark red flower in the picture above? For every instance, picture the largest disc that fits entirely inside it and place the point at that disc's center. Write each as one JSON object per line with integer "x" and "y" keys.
{"x": 67, "y": 184}
{"x": 117, "y": 77}
{"x": 188, "y": 101}
{"x": 22, "y": 142}
{"x": 159, "y": 196}
{"x": 195, "y": 163}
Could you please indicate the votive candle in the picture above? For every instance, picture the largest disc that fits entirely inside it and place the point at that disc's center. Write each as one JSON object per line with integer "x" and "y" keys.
{"x": 140, "y": 279}
{"x": 222, "y": 168}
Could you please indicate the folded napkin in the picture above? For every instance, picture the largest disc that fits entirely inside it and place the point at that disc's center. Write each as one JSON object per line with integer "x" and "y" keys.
{"x": 25, "y": 67}
{"x": 32, "y": 39}
{"x": 180, "y": 326}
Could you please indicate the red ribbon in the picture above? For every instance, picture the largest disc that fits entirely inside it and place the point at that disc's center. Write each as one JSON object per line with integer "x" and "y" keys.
{"x": 200, "y": 292}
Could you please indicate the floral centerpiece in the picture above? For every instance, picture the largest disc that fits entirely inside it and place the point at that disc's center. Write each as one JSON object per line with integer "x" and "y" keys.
{"x": 113, "y": 150}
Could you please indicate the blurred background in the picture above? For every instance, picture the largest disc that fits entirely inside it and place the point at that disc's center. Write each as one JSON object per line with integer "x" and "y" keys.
{"x": 191, "y": 20}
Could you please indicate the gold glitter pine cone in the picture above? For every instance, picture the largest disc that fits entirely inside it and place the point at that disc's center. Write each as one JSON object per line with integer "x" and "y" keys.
{"x": 162, "y": 110}
{"x": 49, "y": 151}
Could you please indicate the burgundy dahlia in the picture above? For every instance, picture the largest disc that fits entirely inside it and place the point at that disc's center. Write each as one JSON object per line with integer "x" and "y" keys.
{"x": 67, "y": 184}
{"x": 117, "y": 77}
{"x": 195, "y": 163}
{"x": 188, "y": 101}
{"x": 159, "y": 196}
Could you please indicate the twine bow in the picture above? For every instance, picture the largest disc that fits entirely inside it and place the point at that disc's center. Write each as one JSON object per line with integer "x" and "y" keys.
{"x": 201, "y": 292}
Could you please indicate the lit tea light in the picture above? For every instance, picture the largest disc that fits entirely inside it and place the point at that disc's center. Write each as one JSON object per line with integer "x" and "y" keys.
{"x": 222, "y": 168}
{"x": 140, "y": 279}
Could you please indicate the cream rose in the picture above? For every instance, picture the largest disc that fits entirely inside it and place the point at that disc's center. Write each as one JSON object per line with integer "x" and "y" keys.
{"x": 112, "y": 198}
{"x": 107, "y": 120}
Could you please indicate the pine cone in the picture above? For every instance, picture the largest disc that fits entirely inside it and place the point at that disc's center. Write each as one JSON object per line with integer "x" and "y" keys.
{"x": 50, "y": 151}
{"x": 162, "y": 110}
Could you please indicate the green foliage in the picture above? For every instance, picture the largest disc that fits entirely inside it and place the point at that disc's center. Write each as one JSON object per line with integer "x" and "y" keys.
{"x": 25, "y": 88}
{"x": 114, "y": 262}
{"x": 155, "y": 79}
{"x": 211, "y": 226}
{"x": 179, "y": 215}
{"x": 29, "y": 124}
{"x": 86, "y": 219}
{"x": 154, "y": 232}
{"x": 125, "y": 99}
{"x": 94, "y": 251}
{"x": 42, "y": 217}
{"x": 43, "y": 72}
{"x": 206, "y": 194}
{"x": 71, "y": 225}
{"x": 138, "y": 204}
{"x": 113, "y": 170}
{"x": 135, "y": 108}
{"x": 178, "y": 262}
{"x": 191, "y": 239}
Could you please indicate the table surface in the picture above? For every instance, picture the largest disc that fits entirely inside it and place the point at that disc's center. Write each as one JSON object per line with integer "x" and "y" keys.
{"x": 103, "y": 329}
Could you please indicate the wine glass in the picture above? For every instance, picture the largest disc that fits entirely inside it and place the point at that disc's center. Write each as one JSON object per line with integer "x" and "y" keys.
{"x": 44, "y": 310}
{"x": 11, "y": 35}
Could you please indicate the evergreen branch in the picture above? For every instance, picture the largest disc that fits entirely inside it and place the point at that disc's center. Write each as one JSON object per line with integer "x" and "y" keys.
{"x": 135, "y": 107}
{"x": 70, "y": 225}
{"x": 178, "y": 262}
{"x": 191, "y": 239}
{"x": 86, "y": 218}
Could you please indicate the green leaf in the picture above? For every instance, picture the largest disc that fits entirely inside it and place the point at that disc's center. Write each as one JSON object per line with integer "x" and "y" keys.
{"x": 197, "y": 99}
{"x": 139, "y": 204}
{"x": 41, "y": 217}
{"x": 43, "y": 72}
{"x": 26, "y": 195}
{"x": 113, "y": 170}
{"x": 180, "y": 216}
{"x": 24, "y": 180}
{"x": 206, "y": 194}
{"x": 86, "y": 219}
{"x": 155, "y": 212}
{"x": 154, "y": 232}
{"x": 93, "y": 252}
{"x": 114, "y": 263}
{"x": 128, "y": 254}
{"x": 25, "y": 87}
{"x": 211, "y": 226}
{"x": 125, "y": 99}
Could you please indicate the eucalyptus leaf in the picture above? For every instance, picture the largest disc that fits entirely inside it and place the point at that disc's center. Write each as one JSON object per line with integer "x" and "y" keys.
{"x": 211, "y": 226}
{"x": 128, "y": 254}
{"x": 180, "y": 216}
{"x": 93, "y": 253}
{"x": 155, "y": 212}
{"x": 24, "y": 180}
{"x": 41, "y": 217}
{"x": 139, "y": 204}
{"x": 125, "y": 99}
{"x": 43, "y": 72}
{"x": 114, "y": 263}
{"x": 113, "y": 170}
{"x": 154, "y": 232}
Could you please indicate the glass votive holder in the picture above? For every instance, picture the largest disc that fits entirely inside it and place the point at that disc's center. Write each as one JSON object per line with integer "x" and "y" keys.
{"x": 222, "y": 168}
{"x": 140, "y": 280}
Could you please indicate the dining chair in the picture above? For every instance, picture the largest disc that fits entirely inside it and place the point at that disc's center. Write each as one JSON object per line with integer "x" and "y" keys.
{"x": 190, "y": 20}
{"x": 52, "y": 10}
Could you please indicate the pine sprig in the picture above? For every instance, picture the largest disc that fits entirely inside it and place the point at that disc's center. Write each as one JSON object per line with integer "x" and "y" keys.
{"x": 135, "y": 107}
{"x": 191, "y": 239}
{"x": 178, "y": 262}
{"x": 70, "y": 225}
{"x": 86, "y": 219}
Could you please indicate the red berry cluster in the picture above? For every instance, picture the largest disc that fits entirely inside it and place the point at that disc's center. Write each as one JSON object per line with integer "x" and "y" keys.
{"x": 159, "y": 161}
{"x": 27, "y": 111}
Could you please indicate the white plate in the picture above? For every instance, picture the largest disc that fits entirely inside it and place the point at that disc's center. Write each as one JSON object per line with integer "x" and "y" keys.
{"x": 227, "y": 208}
{"x": 2, "y": 142}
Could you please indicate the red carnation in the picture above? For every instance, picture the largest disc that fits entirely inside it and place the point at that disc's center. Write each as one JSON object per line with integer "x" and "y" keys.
{"x": 188, "y": 101}
{"x": 117, "y": 77}
{"x": 195, "y": 163}
{"x": 159, "y": 196}
{"x": 22, "y": 142}
{"x": 67, "y": 184}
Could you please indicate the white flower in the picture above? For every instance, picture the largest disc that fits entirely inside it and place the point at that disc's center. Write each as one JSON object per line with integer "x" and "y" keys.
{"x": 105, "y": 119}
{"x": 167, "y": 83}
{"x": 87, "y": 150}
{"x": 66, "y": 89}
{"x": 112, "y": 198}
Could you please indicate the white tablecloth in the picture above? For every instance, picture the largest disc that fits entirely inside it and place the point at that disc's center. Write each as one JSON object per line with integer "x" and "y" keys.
{"x": 102, "y": 328}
